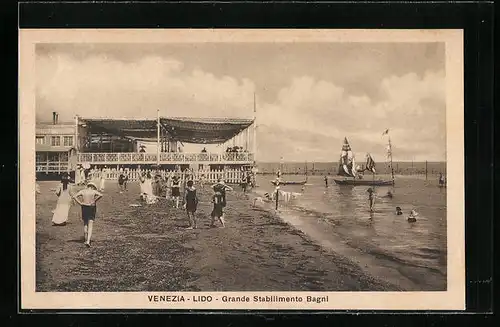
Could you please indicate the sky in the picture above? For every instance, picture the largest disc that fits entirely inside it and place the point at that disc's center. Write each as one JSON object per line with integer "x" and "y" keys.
{"x": 309, "y": 96}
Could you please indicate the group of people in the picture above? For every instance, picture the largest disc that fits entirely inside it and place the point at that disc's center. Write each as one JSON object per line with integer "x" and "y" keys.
{"x": 87, "y": 198}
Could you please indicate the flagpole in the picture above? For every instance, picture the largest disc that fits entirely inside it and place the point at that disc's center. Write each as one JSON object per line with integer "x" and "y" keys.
{"x": 158, "y": 138}
{"x": 390, "y": 153}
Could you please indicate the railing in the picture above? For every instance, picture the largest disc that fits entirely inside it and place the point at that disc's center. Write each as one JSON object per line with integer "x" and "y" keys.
{"x": 230, "y": 176}
{"x": 51, "y": 167}
{"x": 165, "y": 157}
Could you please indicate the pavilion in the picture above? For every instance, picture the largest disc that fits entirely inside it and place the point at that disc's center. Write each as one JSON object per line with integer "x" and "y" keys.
{"x": 115, "y": 142}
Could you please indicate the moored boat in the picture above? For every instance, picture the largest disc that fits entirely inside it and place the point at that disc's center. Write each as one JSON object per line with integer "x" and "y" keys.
{"x": 347, "y": 168}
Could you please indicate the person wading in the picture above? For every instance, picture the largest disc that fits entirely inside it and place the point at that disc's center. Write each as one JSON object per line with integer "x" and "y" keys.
{"x": 87, "y": 199}
{"x": 371, "y": 199}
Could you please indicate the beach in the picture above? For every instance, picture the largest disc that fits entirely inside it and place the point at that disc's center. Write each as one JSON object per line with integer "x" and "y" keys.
{"x": 148, "y": 249}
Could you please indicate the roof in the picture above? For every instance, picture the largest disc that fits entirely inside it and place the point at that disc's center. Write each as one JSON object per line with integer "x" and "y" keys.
{"x": 183, "y": 129}
{"x": 49, "y": 148}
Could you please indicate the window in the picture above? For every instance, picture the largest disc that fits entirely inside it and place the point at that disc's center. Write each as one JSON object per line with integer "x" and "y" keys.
{"x": 40, "y": 140}
{"x": 68, "y": 141}
{"x": 55, "y": 141}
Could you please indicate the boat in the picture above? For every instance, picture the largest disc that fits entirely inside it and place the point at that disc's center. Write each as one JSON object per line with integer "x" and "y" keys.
{"x": 275, "y": 182}
{"x": 350, "y": 172}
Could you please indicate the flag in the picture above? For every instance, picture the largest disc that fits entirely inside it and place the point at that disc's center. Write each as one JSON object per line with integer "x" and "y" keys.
{"x": 385, "y": 132}
{"x": 370, "y": 164}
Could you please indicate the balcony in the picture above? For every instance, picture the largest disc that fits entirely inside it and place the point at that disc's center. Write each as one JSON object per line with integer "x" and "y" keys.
{"x": 175, "y": 158}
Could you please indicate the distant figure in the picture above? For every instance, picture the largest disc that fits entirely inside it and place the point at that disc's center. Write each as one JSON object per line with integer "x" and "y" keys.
{"x": 202, "y": 180}
{"x": 370, "y": 198}
{"x": 60, "y": 216}
{"x": 413, "y": 216}
{"x": 441, "y": 179}
{"x": 244, "y": 183}
{"x": 204, "y": 150}
{"x": 102, "y": 181}
{"x": 191, "y": 204}
{"x": 122, "y": 181}
{"x": 87, "y": 199}
{"x": 175, "y": 190}
{"x": 326, "y": 181}
{"x": 399, "y": 212}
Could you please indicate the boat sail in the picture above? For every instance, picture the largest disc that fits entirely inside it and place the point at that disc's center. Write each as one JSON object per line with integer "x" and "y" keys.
{"x": 347, "y": 169}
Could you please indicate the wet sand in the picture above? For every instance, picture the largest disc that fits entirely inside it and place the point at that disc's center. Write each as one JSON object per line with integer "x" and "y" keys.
{"x": 148, "y": 249}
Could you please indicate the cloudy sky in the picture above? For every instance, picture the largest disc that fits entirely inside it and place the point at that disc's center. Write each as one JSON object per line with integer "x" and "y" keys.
{"x": 309, "y": 95}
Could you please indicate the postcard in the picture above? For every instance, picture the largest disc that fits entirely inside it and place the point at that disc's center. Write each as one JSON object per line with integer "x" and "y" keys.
{"x": 254, "y": 169}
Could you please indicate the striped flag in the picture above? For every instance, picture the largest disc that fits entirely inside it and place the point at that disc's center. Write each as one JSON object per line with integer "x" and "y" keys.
{"x": 370, "y": 164}
{"x": 385, "y": 132}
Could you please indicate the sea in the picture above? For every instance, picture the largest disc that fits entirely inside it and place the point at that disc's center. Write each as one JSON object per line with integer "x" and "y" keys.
{"x": 411, "y": 256}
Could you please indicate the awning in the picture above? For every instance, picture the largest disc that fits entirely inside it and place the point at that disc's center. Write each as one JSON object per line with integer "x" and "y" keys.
{"x": 48, "y": 148}
{"x": 188, "y": 130}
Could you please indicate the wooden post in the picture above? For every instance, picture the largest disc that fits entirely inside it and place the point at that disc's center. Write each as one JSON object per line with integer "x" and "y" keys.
{"x": 425, "y": 169}
{"x": 77, "y": 144}
{"x": 277, "y": 196}
{"x": 254, "y": 143}
{"x": 158, "y": 137}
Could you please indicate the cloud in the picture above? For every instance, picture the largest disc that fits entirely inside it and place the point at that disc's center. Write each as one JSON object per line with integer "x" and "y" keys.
{"x": 104, "y": 87}
{"x": 317, "y": 115}
{"x": 306, "y": 120}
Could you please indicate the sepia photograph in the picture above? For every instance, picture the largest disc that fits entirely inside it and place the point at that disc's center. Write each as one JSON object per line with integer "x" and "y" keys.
{"x": 241, "y": 169}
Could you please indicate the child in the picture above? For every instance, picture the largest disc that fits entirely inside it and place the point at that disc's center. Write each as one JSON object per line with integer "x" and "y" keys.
{"x": 191, "y": 204}
{"x": 89, "y": 197}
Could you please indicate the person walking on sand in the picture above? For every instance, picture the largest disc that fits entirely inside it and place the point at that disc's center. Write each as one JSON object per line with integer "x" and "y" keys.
{"x": 102, "y": 181}
{"x": 60, "y": 216}
{"x": 219, "y": 200}
{"x": 371, "y": 199}
{"x": 326, "y": 181}
{"x": 175, "y": 190}
{"x": 121, "y": 181}
{"x": 191, "y": 204}
{"x": 148, "y": 189}
{"x": 87, "y": 199}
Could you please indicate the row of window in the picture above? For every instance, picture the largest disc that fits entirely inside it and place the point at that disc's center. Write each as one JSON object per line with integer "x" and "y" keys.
{"x": 56, "y": 140}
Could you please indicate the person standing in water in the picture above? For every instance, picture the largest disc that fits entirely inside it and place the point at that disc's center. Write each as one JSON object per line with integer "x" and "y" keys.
{"x": 326, "y": 181}
{"x": 87, "y": 199}
{"x": 60, "y": 216}
{"x": 370, "y": 198}
{"x": 191, "y": 204}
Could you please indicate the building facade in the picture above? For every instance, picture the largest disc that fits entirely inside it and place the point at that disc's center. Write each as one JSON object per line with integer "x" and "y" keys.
{"x": 55, "y": 147}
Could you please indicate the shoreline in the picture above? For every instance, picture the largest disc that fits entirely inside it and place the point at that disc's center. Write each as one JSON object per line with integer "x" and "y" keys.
{"x": 148, "y": 249}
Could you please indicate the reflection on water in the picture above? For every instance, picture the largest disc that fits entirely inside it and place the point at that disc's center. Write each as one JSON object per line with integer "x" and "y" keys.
{"x": 340, "y": 215}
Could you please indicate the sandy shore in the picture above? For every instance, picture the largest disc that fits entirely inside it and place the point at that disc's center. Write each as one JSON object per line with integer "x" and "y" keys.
{"x": 148, "y": 249}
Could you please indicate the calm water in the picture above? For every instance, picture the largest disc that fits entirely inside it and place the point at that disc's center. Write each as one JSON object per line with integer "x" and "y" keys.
{"x": 410, "y": 255}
